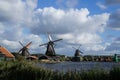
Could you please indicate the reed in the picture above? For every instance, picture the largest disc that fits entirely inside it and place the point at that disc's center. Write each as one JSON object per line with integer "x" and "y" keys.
{"x": 23, "y": 70}
{"x": 115, "y": 73}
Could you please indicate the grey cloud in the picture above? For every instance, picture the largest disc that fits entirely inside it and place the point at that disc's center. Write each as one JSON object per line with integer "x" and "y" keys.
{"x": 114, "y": 21}
{"x": 108, "y": 3}
{"x": 71, "y": 3}
{"x": 118, "y": 39}
{"x": 100, "y": 5}
{"x": 67, "y": 3}
{"x": 112, "y": 2}
{"x": 115, "y": 45}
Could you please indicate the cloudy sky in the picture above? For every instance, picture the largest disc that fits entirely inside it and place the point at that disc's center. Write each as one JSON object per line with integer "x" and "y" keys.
{"x": 95, "y": 24}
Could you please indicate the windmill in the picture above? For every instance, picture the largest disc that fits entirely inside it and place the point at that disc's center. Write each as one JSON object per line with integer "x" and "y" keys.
{"x": 50, "y": 46}
{"x": 24, "y": 50}
{"x": 77, "y": 51}
{"x": 77, "y": 56}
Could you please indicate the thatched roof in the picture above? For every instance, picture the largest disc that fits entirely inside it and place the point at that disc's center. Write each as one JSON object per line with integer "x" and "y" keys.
{"x": 5, "y": 52}
{"x": 32, "y": 57}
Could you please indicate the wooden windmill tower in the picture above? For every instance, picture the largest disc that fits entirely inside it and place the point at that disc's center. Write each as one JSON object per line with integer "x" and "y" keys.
{"x": 50, "y": 46}
{"x": 77, "y": 51}
{"x": 77, "y": 55}
{"x": 24, "y": 50}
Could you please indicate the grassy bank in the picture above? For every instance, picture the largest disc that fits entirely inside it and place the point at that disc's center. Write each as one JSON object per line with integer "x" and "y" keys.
{"x": 27, "y": 71}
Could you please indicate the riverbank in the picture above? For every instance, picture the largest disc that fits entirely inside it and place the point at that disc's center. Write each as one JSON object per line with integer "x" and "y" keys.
{"x": 22, "y": 70}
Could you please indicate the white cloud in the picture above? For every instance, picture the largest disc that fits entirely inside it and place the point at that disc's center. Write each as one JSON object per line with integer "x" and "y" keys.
{"x": 17, "y": 11}
{"x": 71, "y": 3}
{"x": 89, "y": 41}
{"x": 13, "y": 46}
{"x": 15, "y": 15}
{"x": 75, "y": 26}
{"x": 57, "y": 20}
{"x": 101, "y": 5}
{"x": 11, "y": 10}
{"x": 8, "y": 43}
{"x": 36, "y": 40}
{"x": 82, "y": 38}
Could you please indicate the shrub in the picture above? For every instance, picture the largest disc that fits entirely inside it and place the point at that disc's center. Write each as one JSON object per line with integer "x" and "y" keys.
{"x": 115, "y": 73}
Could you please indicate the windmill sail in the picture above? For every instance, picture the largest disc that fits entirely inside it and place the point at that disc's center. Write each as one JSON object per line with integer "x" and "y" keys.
{"x": 28, "y": 45}
{"x": 57, "y": 40}
{"x": 77, "y": 51}
{"x": 50, "y": 46}
{"x": 21, "y": 43}
{"x": 24, "y": 51}
{"x": 43, "y": 44}
{"x": 49, "y": 37}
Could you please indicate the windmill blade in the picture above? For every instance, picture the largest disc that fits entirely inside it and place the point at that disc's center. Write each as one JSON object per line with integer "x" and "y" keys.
{"x": 28, "y": 45}
{"x": 20, "y": 50}
{"x": 21, "y": 44}
{"x": 43, "y": 44}
{"x": 81, "y": 52}
{"x": 74, "y": 48}
{"x": 49, "y": 37}
{"x": 79, "y": 46}
{"x": 57, "y": 40}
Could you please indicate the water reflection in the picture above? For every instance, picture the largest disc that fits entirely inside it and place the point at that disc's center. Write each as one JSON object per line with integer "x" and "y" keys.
{"x": 65, "y": 66}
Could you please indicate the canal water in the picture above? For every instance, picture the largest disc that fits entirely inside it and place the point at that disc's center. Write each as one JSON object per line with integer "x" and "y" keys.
{"x": 71, "y": 66}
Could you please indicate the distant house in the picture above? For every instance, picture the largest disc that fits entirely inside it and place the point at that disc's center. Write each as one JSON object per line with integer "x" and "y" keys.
{"x": 5, "y": 54}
